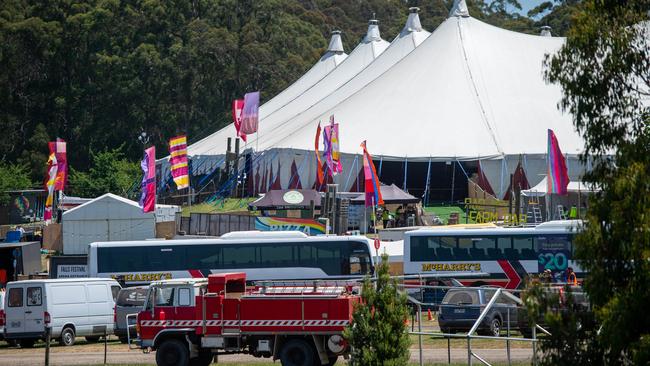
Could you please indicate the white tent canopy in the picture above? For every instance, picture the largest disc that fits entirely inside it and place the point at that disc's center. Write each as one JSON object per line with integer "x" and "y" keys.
{"x": 357, "y": 71}
{"x": 541, "y": 189}
{"x": 471, "y": 90}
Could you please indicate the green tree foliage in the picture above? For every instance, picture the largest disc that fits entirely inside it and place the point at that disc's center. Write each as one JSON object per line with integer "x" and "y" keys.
{"x": 604, "y": 71}
{"x": 110, "y": 172}
{"x": 378, "y": 333}
{"x": 99, "y": 72}
{"x": 13, "y": 177}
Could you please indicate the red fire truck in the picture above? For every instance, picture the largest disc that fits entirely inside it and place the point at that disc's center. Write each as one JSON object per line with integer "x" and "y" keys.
{"x": 191, "y": 322}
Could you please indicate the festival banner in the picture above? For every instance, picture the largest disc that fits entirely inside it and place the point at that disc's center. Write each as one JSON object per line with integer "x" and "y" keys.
{"x": 331, "y": 142}
{"x": 557, "y": 173}
{"x": 148, "y": 164}
{"x": 250, "y": 113}
{"x": 319, "y": 168}
{"x": 50, "y": 185}
{"x": 373, "y": 192}
{"x": 237, "y": 108}
{"x": 178, "y": 161}
{"x": 58, "y": 148}
{"x": 307, "y": 226}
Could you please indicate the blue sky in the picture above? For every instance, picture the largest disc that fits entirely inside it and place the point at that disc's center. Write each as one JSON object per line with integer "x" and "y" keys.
{"x": 529, "y": 4}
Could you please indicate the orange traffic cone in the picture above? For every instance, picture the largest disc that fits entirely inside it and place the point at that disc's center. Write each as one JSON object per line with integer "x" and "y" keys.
{"x": 429, "y": 315}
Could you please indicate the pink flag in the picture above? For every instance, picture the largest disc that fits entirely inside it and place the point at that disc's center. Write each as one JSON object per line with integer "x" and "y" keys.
{"x": 237, "y": 107}
{"x": 250, "y": 114}
{"x": 557, "y": 176}
{"x": 372, "y": 185}
{"x": 58, "y": 148}
{"x": 178, "y": 161}
{"x": 331, "y": 142}
{"x": 148, "y": 164}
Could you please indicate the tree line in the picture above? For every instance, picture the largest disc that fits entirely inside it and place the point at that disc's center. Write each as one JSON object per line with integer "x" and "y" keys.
{"x": 99, "y": 73}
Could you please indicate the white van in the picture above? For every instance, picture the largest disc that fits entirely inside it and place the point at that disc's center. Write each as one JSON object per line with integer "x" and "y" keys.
{"x": 73, "y": 307}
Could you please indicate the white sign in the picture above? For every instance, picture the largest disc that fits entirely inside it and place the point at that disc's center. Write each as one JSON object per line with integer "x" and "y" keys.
{"x": 72, "y": 270}
{"x": 293, "y": 197}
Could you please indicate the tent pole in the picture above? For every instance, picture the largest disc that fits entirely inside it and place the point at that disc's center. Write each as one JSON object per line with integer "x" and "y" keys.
{"x": 453, "y": 181}
{"x": 381, "y": 162}
{"x": 406, "y": 170}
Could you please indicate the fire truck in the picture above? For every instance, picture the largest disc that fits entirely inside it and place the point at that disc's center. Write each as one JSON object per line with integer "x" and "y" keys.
{"x": 192, "y": 321}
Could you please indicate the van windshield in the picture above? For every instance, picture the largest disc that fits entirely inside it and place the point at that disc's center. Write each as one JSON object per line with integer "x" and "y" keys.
{"x": 131, "y": 297}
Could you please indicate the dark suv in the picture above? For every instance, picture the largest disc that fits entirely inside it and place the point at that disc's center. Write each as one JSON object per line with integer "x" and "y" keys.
{"x": 579, "y": 305}
{"x": 129, "y": 300}
{"x": 461, "y": 308}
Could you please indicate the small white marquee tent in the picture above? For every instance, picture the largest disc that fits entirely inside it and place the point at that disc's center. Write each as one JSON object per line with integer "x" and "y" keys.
{"x": 105, "y": 218}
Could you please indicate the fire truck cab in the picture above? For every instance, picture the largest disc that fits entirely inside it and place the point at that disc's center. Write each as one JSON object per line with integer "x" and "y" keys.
{"x": 192, "y": 321}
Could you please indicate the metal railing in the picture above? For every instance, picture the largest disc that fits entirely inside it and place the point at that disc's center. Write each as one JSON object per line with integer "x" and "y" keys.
{"x": 471, "y": 334}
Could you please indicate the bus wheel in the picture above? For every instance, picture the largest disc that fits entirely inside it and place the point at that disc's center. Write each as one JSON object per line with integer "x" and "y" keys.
{"x": 297, "y": 352}
{"x": 172, "y": 352}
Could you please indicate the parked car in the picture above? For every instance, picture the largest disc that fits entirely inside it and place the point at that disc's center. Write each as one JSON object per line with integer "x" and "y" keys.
{"x": 129, "y": 301}
{"x": 580, "y": 304}
{"x": 436, "y": 295}
{"x": 72, "y": 307}
{"x": 461, "y": 308}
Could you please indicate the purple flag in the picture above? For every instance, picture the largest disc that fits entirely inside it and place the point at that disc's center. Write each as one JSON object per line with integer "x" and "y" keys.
{"x": 250, "y": 114}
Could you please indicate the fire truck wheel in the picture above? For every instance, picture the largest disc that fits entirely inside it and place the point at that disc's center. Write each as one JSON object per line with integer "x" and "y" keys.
{"x": 172, "y": 352}
{"x": 204, "y": 359}
{"x": 297, "y": 352}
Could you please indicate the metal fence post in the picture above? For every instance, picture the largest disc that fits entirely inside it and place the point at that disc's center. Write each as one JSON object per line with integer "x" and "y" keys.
{"x": 534, "y": 345}
{"x": 106, "y": 342}
{"x": 469, "y": 350}
{"x": 420, "y": 331}
{"x": 48, "y": 338}
{"x": 448, "y": 350}
{"x": 508, "y": 339}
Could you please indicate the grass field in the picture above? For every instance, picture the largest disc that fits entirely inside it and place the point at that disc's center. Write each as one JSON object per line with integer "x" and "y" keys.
{"x": 444, "y": 211}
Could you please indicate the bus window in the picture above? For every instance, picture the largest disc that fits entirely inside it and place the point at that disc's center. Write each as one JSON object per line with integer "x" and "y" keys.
{"x": 329, "y": 257}
{"x": 524, "y": 246}
{"x": 164, "y": 258}
{"x": 482, "y": 246}
{"x": 280, "y": 255}
{"x": 359, "y": 264}
{"x": 429, "y": 248}
{"x": 239, "y": 256}
{"x": 306, "y": 254}
{"x": 203, "y": 256}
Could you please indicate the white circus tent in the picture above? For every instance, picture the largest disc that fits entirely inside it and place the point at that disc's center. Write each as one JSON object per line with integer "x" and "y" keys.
{"x": 470, "y": 91}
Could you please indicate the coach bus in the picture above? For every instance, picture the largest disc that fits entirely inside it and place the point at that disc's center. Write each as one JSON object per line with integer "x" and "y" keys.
{"x": 507, "y": 255}
{"x": 262, "y": 255}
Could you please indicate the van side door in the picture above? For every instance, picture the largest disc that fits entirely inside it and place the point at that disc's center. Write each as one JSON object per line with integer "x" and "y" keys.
{"x": 15, "y": 310}
{"x": 100, "y": 308}
{"x": 34, "y": 308}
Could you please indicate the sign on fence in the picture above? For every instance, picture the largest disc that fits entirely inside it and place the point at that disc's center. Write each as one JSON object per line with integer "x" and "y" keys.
{"x": 307, "y": 226}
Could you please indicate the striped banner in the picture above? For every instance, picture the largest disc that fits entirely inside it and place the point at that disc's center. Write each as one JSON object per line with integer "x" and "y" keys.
{"x": 178, "y": 161}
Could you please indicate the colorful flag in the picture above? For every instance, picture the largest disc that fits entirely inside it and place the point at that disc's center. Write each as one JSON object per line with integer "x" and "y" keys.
{"x": 372, "y": 188}
{"x": 58, "y": 148}
{"x": 557, "y": 175}
{"x": 250, "y": 113}
{"x": 331, "y": 142}
{"x": 178, "y": 161}
{"x": 237, "y": 107}
{"x": 50, "y": 185}
{"x": 319, "y": 169}
{"x": 148, "y": 164}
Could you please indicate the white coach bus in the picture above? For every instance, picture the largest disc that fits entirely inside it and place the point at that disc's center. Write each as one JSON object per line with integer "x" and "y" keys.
{"x": 262, "y": 255}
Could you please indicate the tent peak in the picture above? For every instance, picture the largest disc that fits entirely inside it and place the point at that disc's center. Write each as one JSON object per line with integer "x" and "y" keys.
{"x": 545, "y": 31}
{"x": 373, "y": 31}
{"x": 336, "y": 45}
{"x": 459, "y": 9}
{"x": 413, "y": 21}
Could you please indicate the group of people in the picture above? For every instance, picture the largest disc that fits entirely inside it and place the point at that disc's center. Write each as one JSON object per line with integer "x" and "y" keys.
{"x": 400, "y": 219}
{"x": 569, "y": 277}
